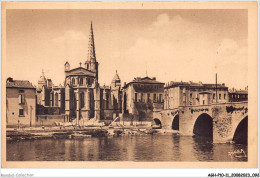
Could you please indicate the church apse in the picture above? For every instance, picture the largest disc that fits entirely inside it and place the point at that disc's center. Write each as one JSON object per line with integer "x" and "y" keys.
{"x": 81, "y": 96}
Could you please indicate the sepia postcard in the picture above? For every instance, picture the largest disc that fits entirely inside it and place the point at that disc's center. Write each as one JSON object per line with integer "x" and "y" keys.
{"x": 129, "y": 85}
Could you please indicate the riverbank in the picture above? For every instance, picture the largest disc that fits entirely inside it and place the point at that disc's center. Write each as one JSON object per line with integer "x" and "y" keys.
{"x": 78, "y": 132}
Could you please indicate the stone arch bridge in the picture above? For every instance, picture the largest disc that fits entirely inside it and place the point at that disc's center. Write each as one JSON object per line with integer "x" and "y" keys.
{"x": 222, "y": 121}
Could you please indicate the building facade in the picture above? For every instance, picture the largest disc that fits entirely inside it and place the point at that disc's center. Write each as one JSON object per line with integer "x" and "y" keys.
{"x": 238, "y": 95}
{"x": 20, "y": 103}
{"x": 111, "y": 102}
{"x": 141, "y": 97}
{"x": 50, "y": 98}
{"x": 189, "y": 93}
{"x": 81, "y": 97}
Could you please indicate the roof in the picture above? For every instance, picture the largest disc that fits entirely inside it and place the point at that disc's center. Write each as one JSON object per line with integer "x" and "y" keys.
{"x": 80, "y": 71}
{"x": 105, "y": 87}
{"x": 116, "y": 77}
{"x": 42, "y": 78}
{"x": 205, "y": 92}
{"x": 10, "y": 83}
{"x": 194, "y": 85}
{"x": 91, "y": 45}
{"x": 238, "y": 92}
{"x": 78, "y": 68}
{"x": 58, "y": 87}
{"x": 145, "y": 80}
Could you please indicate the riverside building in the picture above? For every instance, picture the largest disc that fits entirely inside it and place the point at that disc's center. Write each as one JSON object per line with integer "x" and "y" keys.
{"x": 189, "y": 93}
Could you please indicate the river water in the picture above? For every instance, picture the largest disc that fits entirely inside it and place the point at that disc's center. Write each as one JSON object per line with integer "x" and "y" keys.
{"x": 157, "y": 147}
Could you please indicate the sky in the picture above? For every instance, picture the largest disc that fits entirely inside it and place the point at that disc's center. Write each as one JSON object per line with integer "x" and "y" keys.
{"x": 171, "y": 45}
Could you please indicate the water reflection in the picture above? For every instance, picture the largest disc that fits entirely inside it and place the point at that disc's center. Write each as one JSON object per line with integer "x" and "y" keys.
{"x": 125, "y": 148}
{"x": 203, "y": 148}
{"x": 176, "y": 147}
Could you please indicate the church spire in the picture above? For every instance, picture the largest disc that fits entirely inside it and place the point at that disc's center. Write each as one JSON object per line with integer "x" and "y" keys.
{"x": 91, "y": 45}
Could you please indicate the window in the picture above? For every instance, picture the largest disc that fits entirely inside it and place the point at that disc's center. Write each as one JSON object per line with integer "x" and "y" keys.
{"x": 82, "y": 98}
{"x": 224, "y": 96}
{"x": 154, "y": 98}
{"x": 148, "y": 97}
{"x": 81, "y": 81}
{"x": 160, "y": 97}
{"x": 219, "y": 96}
{"x": 139, "y": 97}
{"x": 21, "y": 98}
{"x": 73, "y": 81}
{"x": 89, "y": 81}
{"x": 135, "y": 97}
{"x": 214, "y": 95}
{"x": 21, "y": 112}
{"x": 203, "y": 102}
{"x": 190, "y": 95}
{"x": 56, "y": 99}
{"x": 107, "y": 100}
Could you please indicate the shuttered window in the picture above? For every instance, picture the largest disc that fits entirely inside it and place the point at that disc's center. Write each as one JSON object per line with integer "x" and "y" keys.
{"x": 135, "y": 97}
{"x": 21, "y": 98}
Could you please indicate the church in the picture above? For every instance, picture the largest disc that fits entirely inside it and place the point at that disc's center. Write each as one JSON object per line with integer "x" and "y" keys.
{"x": 81, "y": 96}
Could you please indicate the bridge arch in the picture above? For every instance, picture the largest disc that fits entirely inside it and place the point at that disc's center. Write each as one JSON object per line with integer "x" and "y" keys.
{"x": 158, "y": 122}
{"x": 241, "y": 132}
{"x": 175, "y": 122}
{"x": 203, "y": 126}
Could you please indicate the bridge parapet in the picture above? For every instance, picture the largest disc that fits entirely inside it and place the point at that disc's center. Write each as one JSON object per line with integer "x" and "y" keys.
{"x": 225, "y": 117}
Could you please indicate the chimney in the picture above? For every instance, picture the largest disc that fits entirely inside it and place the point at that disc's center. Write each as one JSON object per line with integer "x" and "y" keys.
{"x": 10, "y": 79}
